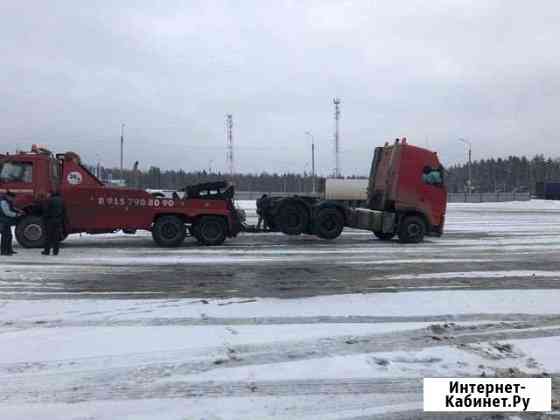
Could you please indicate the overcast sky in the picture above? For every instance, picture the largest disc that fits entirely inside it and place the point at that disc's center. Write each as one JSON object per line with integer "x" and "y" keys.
{"x": 433, "y": 71}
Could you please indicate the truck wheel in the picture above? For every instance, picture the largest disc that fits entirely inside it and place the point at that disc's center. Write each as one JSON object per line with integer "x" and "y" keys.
{"x": 384, "y": 236}
{"x": 30, "y": 232}
{"x": 169, "y": 231}
{"x": 329, "y": 223}
{"x": 210, "y": 230}
{"x": 412, "y": 230}
{"x": 292, "y": 219}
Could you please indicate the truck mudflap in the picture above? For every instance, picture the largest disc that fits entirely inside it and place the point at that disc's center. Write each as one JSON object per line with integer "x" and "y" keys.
{"x": 374, "y": 220}
{"x": 436, "y": 231}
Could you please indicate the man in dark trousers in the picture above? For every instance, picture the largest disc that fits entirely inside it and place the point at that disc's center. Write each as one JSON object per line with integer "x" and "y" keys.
{"x": 8, "y": 218}
{"x": 53, "y": 213}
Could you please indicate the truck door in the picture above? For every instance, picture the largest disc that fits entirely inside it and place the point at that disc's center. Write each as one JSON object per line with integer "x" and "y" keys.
{"x": 418, "y": 192}
{"x": 434, "y": 192}
{"x": 79, "y": 209}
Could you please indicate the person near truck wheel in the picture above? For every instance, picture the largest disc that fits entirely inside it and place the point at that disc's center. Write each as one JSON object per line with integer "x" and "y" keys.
{"x": 262, "y": 207}
{"x": 54, "y": 213}
{"x": 8, "y": 218}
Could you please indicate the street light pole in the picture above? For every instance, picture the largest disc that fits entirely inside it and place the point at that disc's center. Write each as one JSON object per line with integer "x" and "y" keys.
{"x": 312, "y": 161}
{"x": 468, "y": 143}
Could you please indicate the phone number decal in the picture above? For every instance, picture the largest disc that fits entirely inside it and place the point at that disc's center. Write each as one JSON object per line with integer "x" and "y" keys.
{"x": 134, "y": 202}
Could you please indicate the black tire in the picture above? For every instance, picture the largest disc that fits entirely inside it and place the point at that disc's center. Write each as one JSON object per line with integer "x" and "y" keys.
{"x": 329, "y": 223}
{"x": 292, "y": 219}
{"x": 210, "y": 230}
{"x": 384, "y": 236}
{"x": 31, "y": 232}
{"x": 412, "y": 230}
{"x": 169, "y": 231}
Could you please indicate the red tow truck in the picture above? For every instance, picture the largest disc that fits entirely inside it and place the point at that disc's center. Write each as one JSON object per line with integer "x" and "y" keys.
{"x": 206, "y": 210}
{"x": 400, "y": 201}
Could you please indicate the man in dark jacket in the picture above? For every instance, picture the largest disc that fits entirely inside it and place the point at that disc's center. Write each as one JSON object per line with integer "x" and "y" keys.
{"x": 54, "y": 213}
{"x": 8, "y": 218}
{"x": 263, "y": 205}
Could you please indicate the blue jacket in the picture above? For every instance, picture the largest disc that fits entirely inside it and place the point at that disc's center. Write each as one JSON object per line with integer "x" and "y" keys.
{"x": 7, "y": 212}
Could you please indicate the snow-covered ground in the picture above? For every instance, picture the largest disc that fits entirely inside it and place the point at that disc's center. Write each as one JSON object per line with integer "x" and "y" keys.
{"x": 270, "y": 327}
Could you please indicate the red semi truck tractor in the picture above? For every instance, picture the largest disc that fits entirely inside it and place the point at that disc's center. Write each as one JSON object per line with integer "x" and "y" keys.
{"x": 206, "y": 210}
{"x": 406, "y": 197}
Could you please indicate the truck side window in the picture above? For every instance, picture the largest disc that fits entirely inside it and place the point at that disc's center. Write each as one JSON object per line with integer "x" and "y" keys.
{"x": 432, "y": 176}
{"x": 16, "y": 172}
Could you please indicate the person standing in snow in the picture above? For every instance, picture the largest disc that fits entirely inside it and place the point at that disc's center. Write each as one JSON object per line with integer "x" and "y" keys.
{"x": 53, "y": 213}
{"x": 8, "y": 218}
{"x": 262, "y": 207}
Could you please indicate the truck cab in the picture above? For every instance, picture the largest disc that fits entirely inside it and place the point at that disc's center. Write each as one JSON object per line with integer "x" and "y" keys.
{"x": 408, "y": 181}
{"x": 31, "y": 176}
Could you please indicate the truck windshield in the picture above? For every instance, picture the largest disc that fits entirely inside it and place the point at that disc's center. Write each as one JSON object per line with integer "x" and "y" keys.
{"x": 16, "y": 172}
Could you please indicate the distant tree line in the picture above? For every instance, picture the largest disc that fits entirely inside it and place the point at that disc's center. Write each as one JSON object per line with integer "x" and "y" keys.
{"x": 156, "y": 178}
{"x": 504, "y": 175}
{"x": 488, "y": 175}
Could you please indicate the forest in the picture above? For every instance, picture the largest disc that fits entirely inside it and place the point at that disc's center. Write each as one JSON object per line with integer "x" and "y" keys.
{"x": 488, "y": 175}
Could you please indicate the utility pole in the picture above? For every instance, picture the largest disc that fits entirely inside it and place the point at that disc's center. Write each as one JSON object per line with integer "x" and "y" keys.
{"x": 122, "y": 148}
{"x": 469, "y": 145}
{"x": 136, "y": 174}
{"x": 98, "y": 166}
{"x": 229, "y": 126}
{"x": 336, "y": 102}
{"x": 313, "y": 178}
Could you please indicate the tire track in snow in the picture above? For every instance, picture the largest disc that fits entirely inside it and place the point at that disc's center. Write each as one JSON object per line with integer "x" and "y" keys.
{"x": 133, "y": 376}
{"x": 273, "y": 265}
{"x": 350, "y": 319}
{"x": 294, "y": 279}
{"x": 351, "y": 386}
